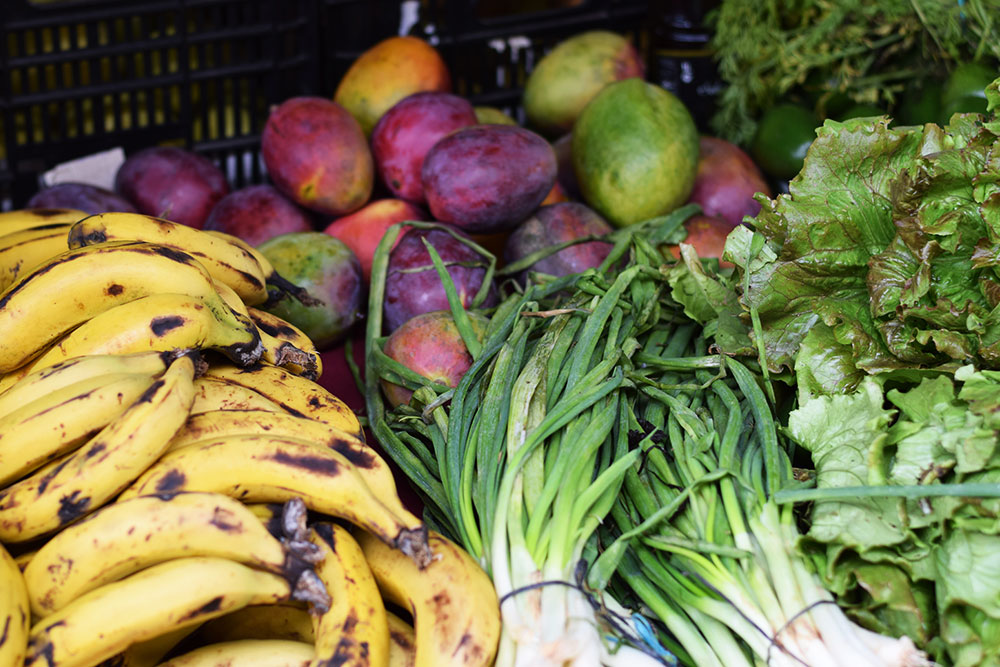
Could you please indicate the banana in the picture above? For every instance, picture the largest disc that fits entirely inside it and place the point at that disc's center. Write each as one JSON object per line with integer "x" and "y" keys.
{"x": 14, "y": 613}
{"x": 273, "y": 621}
{"x": 227, "y": 262}
{"x": 247, "y": 653}
{"x": 219, "y": 423}
{"x": 84, "y": 480}
{"x": 52, "y": 425}
{"x": 45, "y": 381}
{"x": 277, "y": 351}
{"x": 295, "y": 394}
{"x": 354, "y": 630}
{"x": 160, "y": 322}
{"x": 265, "y": 468}
{"x": 456, "y": 614}
{"x": 213, "y": 395}
{"x": 23, "y": 250}
{"x": 25, "y": 218}
{"x": 126, "y": 536}
{"x": 282, "y": 331}
{"x": 402, "y": 642}
{"x": 159, "y": 599}
{"x": 80, "y": 283}
{"x": 369, "y": 465}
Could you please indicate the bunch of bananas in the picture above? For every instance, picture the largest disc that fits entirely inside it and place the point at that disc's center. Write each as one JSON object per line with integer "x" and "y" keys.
{"x": 175, "y": 487}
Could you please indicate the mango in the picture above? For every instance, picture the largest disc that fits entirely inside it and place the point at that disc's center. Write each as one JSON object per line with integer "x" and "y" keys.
{"x": 572, "y": 73}
{"x": 487, "y": 178}
{"x": 635, "y": 152}
{"x": 317, "y": 155}
{"x": 393, "y": 69}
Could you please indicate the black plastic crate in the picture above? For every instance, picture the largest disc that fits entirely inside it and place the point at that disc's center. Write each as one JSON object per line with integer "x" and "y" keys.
{"x": 82, "y": 76}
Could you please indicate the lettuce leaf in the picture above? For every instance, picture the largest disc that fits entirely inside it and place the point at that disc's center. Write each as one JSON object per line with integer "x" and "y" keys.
{"x": 886, "y": 250}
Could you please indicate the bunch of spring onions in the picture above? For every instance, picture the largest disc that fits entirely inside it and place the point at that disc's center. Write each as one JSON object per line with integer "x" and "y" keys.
{"x": 595, "y": 441}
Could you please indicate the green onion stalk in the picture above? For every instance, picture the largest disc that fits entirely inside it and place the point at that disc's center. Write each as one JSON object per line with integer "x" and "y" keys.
{"x": 698, "y": 536}
{"x": 523, "y": 460}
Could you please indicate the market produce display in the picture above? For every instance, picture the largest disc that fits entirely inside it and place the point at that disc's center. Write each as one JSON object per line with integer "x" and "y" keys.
{"x": 153, "y": 481}
{"x": 620, "y": 393}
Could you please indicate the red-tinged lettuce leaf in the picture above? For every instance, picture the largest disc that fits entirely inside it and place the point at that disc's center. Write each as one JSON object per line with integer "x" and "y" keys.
{"x": 889, "y": 237}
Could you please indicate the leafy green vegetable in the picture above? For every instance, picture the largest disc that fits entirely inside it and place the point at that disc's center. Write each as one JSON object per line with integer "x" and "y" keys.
{"x": 923, "y": 567}
{"x": 885, "y": 255}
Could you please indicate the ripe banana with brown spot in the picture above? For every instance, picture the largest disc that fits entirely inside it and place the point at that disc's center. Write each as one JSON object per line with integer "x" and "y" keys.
{"x": 25, "y": 218}
{"x": 221, "y": 423}
{"x": 284, "y": 620}
{"x": 160, "y": 322}
{"x": 160, "y": 599}
{"x": 354, "y": 631}
{"x": 23, "y": 250}
{"x": 81, "y": 283}
{"x": 402, "y": 642}
{"x": 213, "y": 395}
{"x": 367, "y": 462}
{"x": 86, "y": 479}
{"x": 276, "y": 351}
{"x": 456, "y": 614}
{"x": 15, "y": 616}
{"x": 262, "y": 468}
{"x": 129, "y": 535}
{"x": 247, "y": 653}
{"x": 286, "y": 332}
{"x": 296, "y": 394}
{"x": 62, "y": 420}
{"x": 45, "y": 381}
{"x": 225, "y": 261}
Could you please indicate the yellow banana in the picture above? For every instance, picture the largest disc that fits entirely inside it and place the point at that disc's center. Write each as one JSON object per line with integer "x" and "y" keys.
{"x": 23, "y": 250}
{"x": 86, "y": 479}
{"x": 272, "y": 621}
{"x": 277, "y": 351}
{"x": 297, "y": 395}
{"x": 159, "y": 599}
{"x": 80, "y": 283}
{"x": 402, "y": 642}
{"x": 212, "y": 395}
{"x": 286, "y": 332}
{"x": 61, "y": 421}
{"x": 354, "y": 631}
{"x": 264, "y": 468}
{"x": 14, "y": 612}
{"x": 25, "y": 218}
{"x": 247, "y": 653}
{"x": 227, "y": 262}
{"x": 160, "y": 322}
{"x": 219, "y": 423}
{"x": 456, "y": 614}
{"x": 40, "y": 384}
{"x": 369, "y": 465}
{"x": 129, "y": 535}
